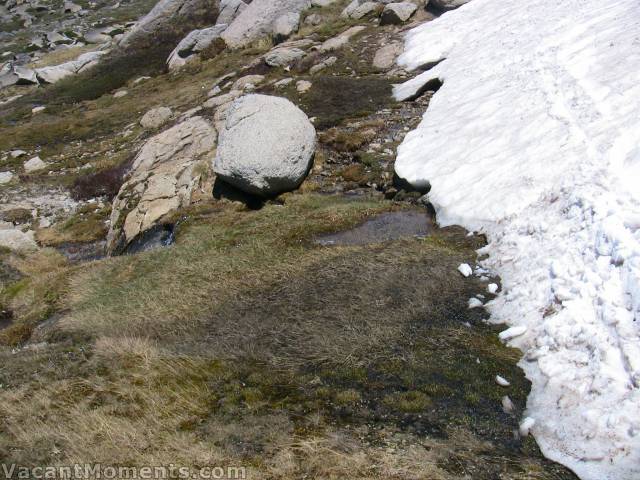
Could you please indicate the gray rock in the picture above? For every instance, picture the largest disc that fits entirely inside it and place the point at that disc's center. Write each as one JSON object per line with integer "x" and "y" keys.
{"x": 33, "y": 165}
{"x": 303, "y": 86}
{"x": 25, "y": 76}
{"x": 257, "y": 20}
{"x": 70, "y": 7}
{"x": 266, "y": 145}
{"x": 285, "y": 25}
{"x": 448, "y": 4}
{"x": 6, "y": 177}
{"x": 229, "y": 10}
{"x": 248, "y": 82}
{"x": 96, "y": 36}
{"x": 341, "y": 40}
{"x": 322, "y": 3}
{"x": 386, "y": 56}
{"x": 8, "y": 79}
{"x": 219, "y": 100}
{"x": 58, "y": 72}
{"x": 327, "y": 62}
{"x": 313, "y": 19}
{"x": 15, "y": 239}
{"x": 358, "y": 9}
{"x": 194, "y": 43}
{"x": 281, "y": 57}
{"x": 163, "y": 179}
{"x": 397, "y": 13}
{"x": 156, "y": 117}
{"x": 169, "y": 20}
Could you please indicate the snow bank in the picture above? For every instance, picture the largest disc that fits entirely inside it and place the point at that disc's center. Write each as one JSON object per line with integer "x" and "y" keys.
{"x": 534, "y": 139}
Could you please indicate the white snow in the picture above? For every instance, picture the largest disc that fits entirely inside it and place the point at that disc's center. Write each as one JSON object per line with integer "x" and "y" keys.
{"x": 465, "y": 269}
{"x": 503, "y": 382}
{"x": 534, "y": 140}
{"x": 475, "y": 303}
{"x": 513, "y": 332}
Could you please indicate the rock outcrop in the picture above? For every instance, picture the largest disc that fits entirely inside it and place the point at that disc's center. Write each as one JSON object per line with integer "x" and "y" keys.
{"x": 196, "y": 42}
{"x": 266, "y": 145}
{"x": 164, "y": 177}
{"x": 171, "y": 20}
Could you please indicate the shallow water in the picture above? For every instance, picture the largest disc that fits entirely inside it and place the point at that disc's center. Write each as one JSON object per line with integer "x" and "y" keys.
{"x": 383, "y": 228}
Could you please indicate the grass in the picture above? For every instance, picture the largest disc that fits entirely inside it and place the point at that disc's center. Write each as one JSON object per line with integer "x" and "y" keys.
{"x": 246, "y": 344}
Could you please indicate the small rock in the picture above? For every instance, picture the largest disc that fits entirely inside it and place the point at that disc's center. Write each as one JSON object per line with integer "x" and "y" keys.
{"x": 248, "y": 82}
{"x": 35, "y": 110}
{"x": 397, "y": 13}
{"x": 283, "y": 83}
{"x": 6, "y": 177}
{"x": 341, "y": 40}
{"x": 503, "y": 382}
{"x": 507, "y": 405}
{"x": 322, "y": 65}
{"x": 156, "y": 117}
{"x": 358, "y": 9}
{"x": 492, "y": 288}
{"x": 17, "y": 153}
{"x": 17, "y": 240}
{"x": 214, "y": 102}
{"x": 386, "y": 56}
{"x": 33, "y": 165}
{"x": 303, "y": 86}
{"x": 282, "y": 57}
{"x": 321, "y": 3}
{"x": 120, "y": 94}
{"x": 141, "y": 79}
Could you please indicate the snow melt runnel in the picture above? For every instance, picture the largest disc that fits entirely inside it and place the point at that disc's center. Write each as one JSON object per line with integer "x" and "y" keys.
{"x": 534, "y": 139}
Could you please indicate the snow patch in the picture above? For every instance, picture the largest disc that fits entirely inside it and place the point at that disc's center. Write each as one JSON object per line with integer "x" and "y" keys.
{"x": 533, "y": 140}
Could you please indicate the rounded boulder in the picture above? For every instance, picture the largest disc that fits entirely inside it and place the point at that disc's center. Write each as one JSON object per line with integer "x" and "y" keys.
{"x": 265, "y": 146}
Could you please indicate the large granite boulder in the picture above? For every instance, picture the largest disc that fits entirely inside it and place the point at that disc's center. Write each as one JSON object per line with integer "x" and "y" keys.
{"x": 266, "y": 145}
{"x": 260, "y": 19}
{"x": 164, "y": 178}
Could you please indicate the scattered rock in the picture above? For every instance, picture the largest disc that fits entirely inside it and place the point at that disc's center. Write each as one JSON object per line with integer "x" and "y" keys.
{"x": 163, "y": 178}
{"x": 248, "y": 82}
{"x": 219, "y": 100}
{"x": 282, "y": 57}
{"x": 397, "y": 13}
{"x": 6, "y": 177}
{"x": 33, "y": 165}
{"x": 358, "y": 9}
{"x": 385, "y": 57}
{"x": 156, "y": 117}
{"x": 303, "y": 86}
{"x": 341, "y": 40}
{"x": 507, "y": 405}
{"x": 266, "y": 145}
{"x": 15, "y": 239}
{"x": 327, "y": 62}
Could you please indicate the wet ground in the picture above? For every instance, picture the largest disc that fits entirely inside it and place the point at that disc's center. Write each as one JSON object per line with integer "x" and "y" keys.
{"x": 383, "y": 228}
